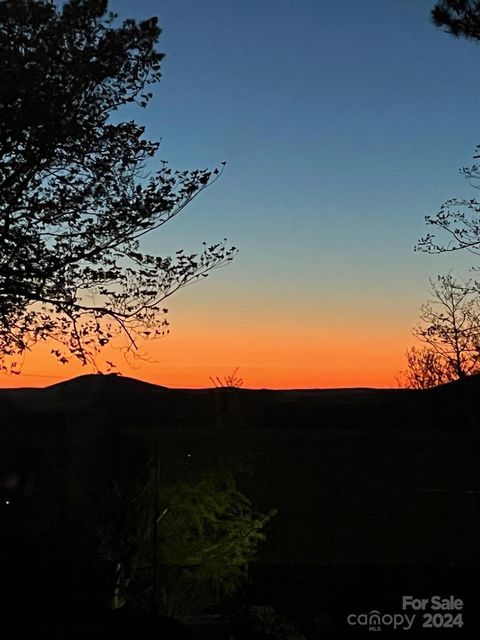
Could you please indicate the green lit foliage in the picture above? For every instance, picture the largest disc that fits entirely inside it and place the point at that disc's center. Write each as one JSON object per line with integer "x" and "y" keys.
{"x": 208, "y": 533}
{"x": 75, "y": 199}
{"x": 176, "y": 545}
{"x": 264, "y": 623}
{"x": 211, "y": 527}
{"x": 206, "y": 541}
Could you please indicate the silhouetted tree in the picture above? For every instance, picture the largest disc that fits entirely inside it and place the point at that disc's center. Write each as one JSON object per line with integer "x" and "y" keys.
{"x": 460, "y": 17}
{"x": 450, "y": 325}
{"x": 231, "y": 381}
{"x": 74, "y": 202}
{"x": 450, "y": 328}
{"x": 425, "y": 369}
{"x": 459, "y": 218}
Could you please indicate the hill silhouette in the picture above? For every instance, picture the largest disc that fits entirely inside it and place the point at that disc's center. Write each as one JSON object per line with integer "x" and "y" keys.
{"x": 110, "y": 404}
{"x": 123, "y": 399}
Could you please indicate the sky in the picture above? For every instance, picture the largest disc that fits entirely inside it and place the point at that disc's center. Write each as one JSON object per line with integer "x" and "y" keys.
{"x": 343, "y": 124}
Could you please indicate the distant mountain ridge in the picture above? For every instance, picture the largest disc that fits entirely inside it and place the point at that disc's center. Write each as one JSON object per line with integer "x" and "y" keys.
{"x": 124, "y": 399}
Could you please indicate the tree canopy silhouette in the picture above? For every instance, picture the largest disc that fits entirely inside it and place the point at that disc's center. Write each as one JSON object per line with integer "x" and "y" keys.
{"x": 457, "y": 218}
{"x": 449, "y": 329}
{"x": 460, "y": 17}
{"x": 74, "y": 200}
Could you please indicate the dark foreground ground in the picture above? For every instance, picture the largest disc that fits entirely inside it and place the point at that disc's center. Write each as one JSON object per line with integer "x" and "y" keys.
{"x": 318, "y": 602}
{"x": 377, "y": 494}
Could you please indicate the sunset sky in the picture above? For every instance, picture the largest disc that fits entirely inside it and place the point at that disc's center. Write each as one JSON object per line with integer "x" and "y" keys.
{"x": 342, "y": 124}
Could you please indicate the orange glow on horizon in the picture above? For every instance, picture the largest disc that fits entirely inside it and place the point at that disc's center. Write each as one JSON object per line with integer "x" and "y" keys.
{"x": 265, "y": 360}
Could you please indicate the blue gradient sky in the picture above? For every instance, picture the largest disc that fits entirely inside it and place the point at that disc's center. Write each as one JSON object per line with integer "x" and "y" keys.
{"x": 343, "y": 124}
